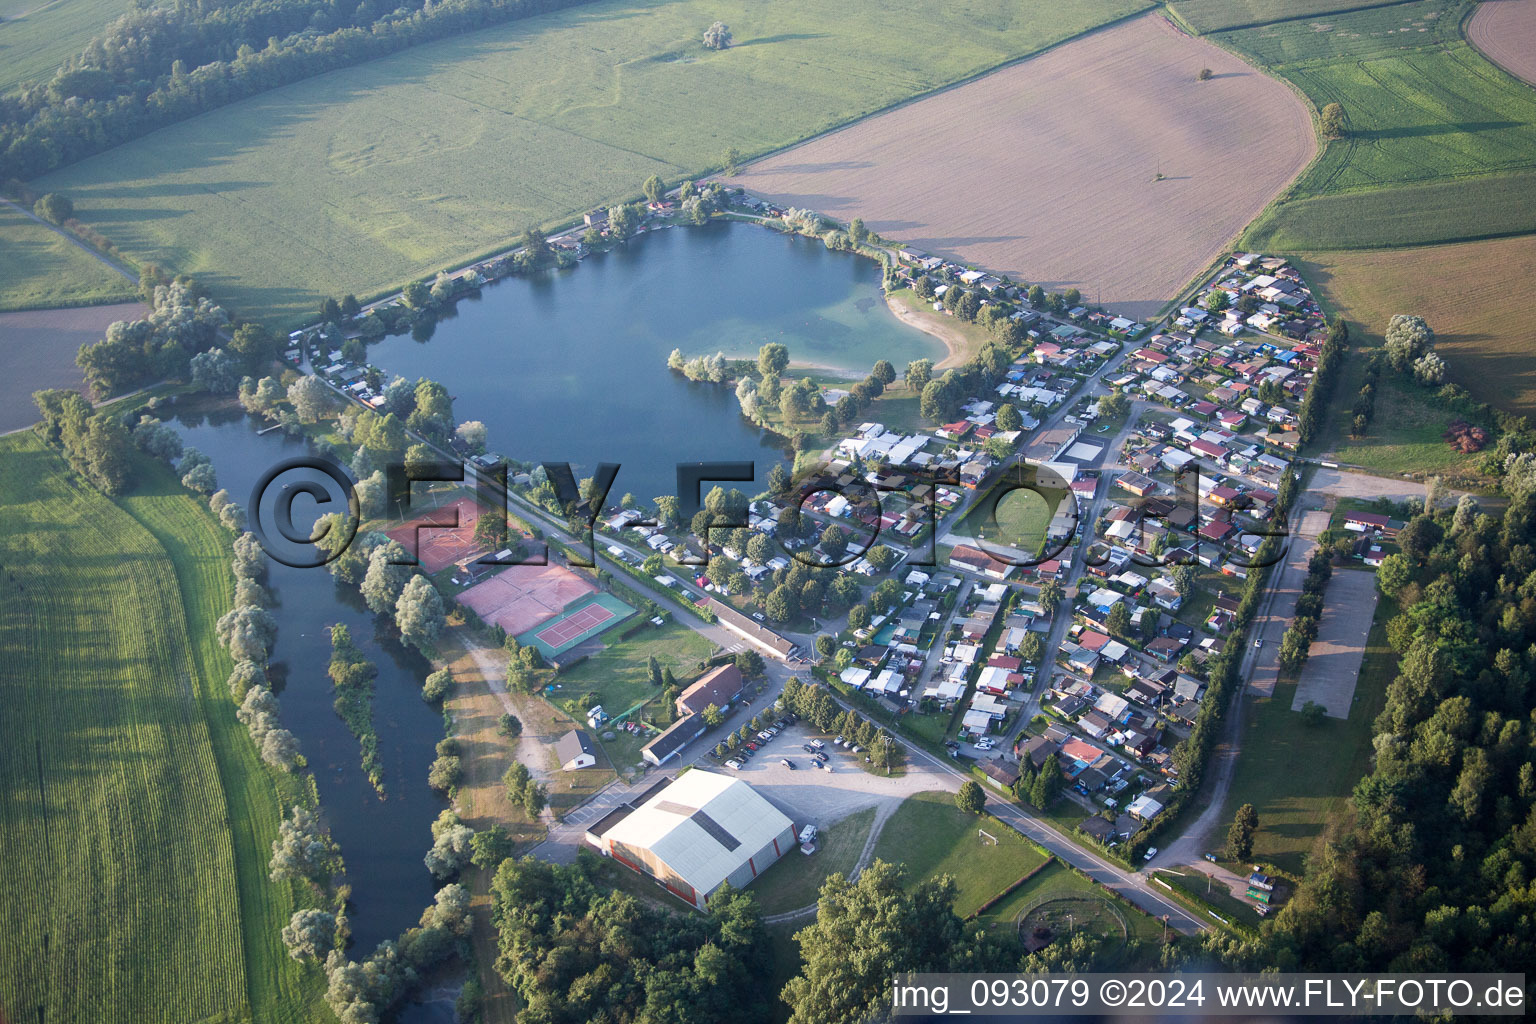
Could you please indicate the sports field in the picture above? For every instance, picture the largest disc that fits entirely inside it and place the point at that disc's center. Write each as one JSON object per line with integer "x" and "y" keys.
{"x": 581, "y": 621}
{"x": 41, "y": 270}
{"x": 521, "y": 597}
{"x": 1068, "y": 170}
{"x": 441, "y": 537}
{"x": 360, "y": 179}
{"x": 931, "y": 836}
{"x": 1505, "y": 30}
{"x": 134, "y": 812}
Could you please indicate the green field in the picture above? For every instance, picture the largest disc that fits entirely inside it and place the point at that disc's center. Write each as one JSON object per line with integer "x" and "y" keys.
{"x": 1215, "y": 15}
{"x": 1364, "y": 34}
{"x": 1298, "y": 776}
{"x": 39, "y": 269}
{"x": 129, "y": 788}
{"x": 617, "y": 673}
{"x": 357, "y": 180}
{"x": 1464, "y": 209}
{"x": 931, "y": 836}
{"x": 795, "y": 882}
{"x": 1441, "y": 144}
{"x": 1105, "y": 914}
{"x": 1418, "y": 116}
{"x": 51, "y": 31}
{"x": 1022, "y": 517}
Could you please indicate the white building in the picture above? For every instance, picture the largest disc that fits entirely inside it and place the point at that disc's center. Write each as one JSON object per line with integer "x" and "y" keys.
{"x": 698, "y": 833}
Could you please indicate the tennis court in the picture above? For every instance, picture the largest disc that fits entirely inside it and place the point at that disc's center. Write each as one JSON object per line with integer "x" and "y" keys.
{"x": 442, "y": 536}
{"x": 583, "y": 620}
{"x": 523, "y": 597}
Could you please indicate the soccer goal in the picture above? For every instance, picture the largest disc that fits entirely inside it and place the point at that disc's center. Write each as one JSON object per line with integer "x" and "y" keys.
{"x": 986, "y": 837}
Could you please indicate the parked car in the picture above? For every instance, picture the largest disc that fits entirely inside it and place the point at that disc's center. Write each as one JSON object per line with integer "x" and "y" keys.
{"x": 855, "y": 748}
{"x": 1149, "y": 854}
{"x": 838, "y": 741}
{"x": 750, "y": 746}
{"x": 787, "y": 763}
{"x": 1258, "y": 641}
{"x": 733, "y": 764}
{"x": 764, "y": 736}
{"x": 826, "y": 767}
{"x": 817, "y": 744}
{"x": 807, "y": 748}
{"x": 819, "y": 756}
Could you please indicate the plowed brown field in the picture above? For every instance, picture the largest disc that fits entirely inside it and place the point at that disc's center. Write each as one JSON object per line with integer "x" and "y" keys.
{"x": 1505, "y": 30}
{"x": 1048, "y": 170}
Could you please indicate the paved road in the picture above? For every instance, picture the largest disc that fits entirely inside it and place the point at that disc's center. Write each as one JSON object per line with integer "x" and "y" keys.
{"x": 1269, "y": 623}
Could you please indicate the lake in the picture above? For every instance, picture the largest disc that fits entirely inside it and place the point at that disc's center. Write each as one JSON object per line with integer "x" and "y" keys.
{"x": 570, "y": 366}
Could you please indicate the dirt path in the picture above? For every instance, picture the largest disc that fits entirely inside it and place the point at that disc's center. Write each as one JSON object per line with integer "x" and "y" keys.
{"x": 530, "y": 747}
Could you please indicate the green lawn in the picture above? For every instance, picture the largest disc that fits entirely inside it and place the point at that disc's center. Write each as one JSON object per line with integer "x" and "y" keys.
{"x": 795, "y": 880}
{"x": 1298, "y": 776}
{"x": 931, "y": 836}
{"x": 41, "y": 270}
{"x": 33, "y": 46}
{"x": 1022, "y": 517}
{"x": 357, "y": 180}
{"x": 126, "y": 773}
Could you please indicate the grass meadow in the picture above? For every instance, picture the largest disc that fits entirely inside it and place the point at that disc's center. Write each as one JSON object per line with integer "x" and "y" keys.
{"x": 1441, "y": 144}
{"x": 130, "y": 793}
{"x": 361, "y": 179}
{"x": 41, "y": 270}
{"x": 39, "y": 35}
{"x": 931, "y": 836}
{"x": 1474, "y": 296}
{"x": 1298, "y": 776}
{"x": 1217, "y": 15}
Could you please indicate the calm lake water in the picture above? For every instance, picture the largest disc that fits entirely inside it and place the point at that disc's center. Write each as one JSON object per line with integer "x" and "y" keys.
{"x": 565, "y": 366}
{"x": 382, "y": 840}
{"x": 570, "y": 366}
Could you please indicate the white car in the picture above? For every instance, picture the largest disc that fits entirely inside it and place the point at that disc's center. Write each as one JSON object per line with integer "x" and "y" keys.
{"x": 733, "y": 764}
{"x": 1258, "y": 641}
{"x": 985, "y": 744}
{"x": 1149, "y": 854}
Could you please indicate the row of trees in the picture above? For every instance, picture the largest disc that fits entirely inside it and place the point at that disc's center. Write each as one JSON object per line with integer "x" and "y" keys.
{"x": 1315, "y": 405}
{"x": 1434, "y": 869}
{"x": 1297, "y": 641}
{"x": 816, "y": 706}
{"x": 95, "y": 444}
{"x": 157, "y": 65}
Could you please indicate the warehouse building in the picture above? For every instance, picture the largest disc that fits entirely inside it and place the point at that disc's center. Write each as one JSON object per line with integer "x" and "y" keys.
{"x": 699, "y": 832}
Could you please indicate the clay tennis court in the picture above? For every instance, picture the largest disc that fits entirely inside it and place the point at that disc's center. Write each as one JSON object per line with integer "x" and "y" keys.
{"x": 1102, "y": 165}
{"x": 524, "y": 596}
{"x": 437, "y": 547}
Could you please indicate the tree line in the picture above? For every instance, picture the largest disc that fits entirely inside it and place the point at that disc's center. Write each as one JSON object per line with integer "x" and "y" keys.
{"x": 1432, "y": 869}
